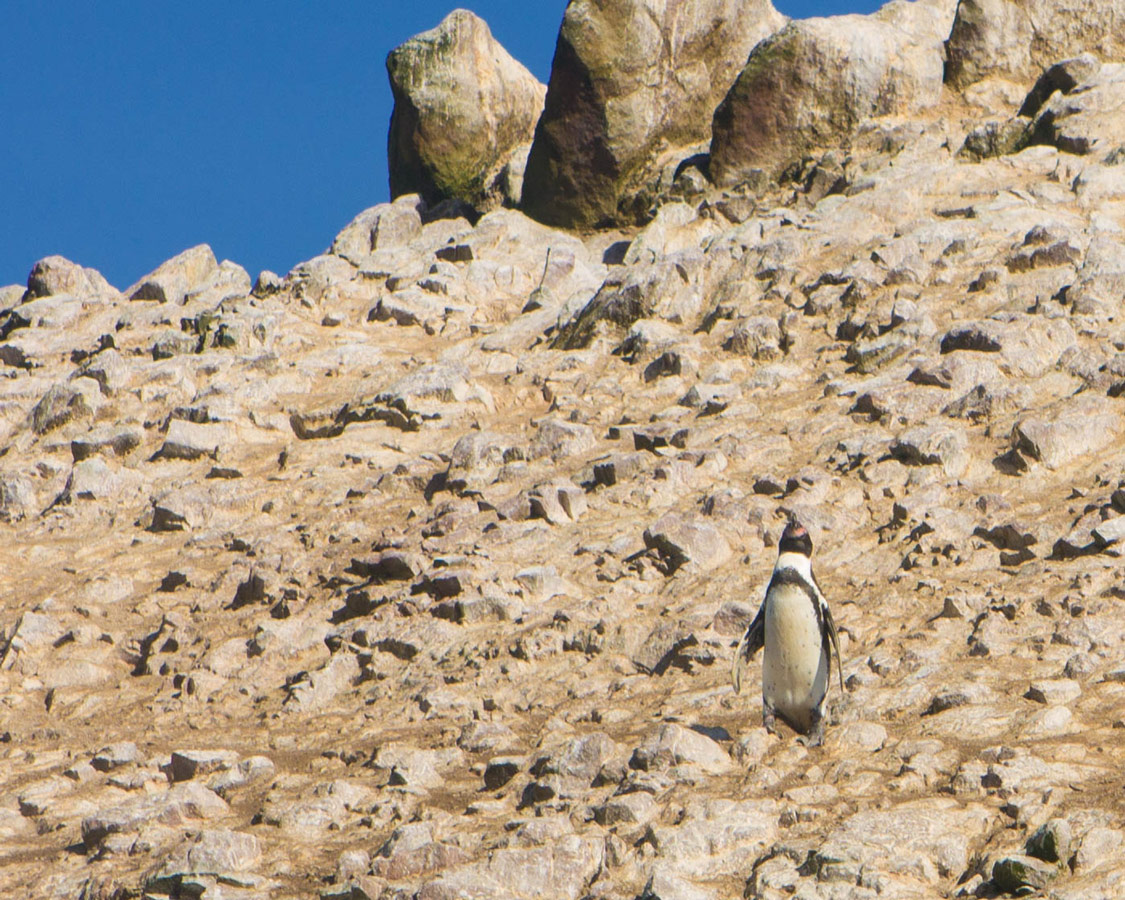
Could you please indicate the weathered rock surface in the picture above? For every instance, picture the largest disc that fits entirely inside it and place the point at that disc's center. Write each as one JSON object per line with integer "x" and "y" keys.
{"x": 417, "y": 571}
{"x": 58, "y": 275}
{"x": 633, "y": 86}
{"x": 464, "y": 115}
{"x": 810, "y": 86}
{"x": 1017, "y": 39}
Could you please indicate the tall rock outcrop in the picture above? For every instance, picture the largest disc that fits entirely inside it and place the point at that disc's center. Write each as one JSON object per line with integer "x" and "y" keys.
{"x": 464, "y": 115}
{"x": 810, "y": 85}
{"x": 632, "y": 82}
{"x": 1017, "y": 39}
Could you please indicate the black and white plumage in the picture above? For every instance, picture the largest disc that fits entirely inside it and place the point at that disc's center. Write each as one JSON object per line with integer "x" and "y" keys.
{"x": 795, "y": 626}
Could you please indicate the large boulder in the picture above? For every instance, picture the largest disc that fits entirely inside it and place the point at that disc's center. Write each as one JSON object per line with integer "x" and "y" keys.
{"x": 633, "y": 86}
{"x": 58, "y": 275}
{"x": 1017, "y": 39}
{"x": 179, "y": 276}
{"x": 809, "y": 86}
{"x": 464, "y": 115}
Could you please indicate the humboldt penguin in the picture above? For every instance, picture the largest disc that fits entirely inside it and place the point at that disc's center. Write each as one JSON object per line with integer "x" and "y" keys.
{"x": 795, "y": 627}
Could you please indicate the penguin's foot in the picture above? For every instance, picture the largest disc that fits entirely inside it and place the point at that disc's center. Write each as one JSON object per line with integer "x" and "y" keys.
{"x": 815, "y": 737}
{"x": 769, "y": 719}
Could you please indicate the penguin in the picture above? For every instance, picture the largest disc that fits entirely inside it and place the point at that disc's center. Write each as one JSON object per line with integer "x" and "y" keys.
{"x": 796, "y": 628}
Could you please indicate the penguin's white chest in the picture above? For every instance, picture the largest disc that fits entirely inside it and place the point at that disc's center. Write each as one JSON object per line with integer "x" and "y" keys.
{"x": 794, "y": 664}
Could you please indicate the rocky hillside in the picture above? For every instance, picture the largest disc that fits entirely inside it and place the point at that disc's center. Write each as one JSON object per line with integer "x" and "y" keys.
{"x": 417, "y": 572}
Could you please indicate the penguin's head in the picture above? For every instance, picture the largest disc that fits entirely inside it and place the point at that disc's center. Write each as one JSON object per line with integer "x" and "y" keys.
{"x": 795, "y": 539}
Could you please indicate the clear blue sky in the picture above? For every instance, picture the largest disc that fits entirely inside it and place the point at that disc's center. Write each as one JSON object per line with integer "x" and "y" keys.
{"x": 133, "y": 129}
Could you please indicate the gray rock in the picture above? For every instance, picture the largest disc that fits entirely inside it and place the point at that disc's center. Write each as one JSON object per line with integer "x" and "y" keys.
{"x": 997, "y": 138}
{"x": 389, "y": 565}
{"x": 108, "y": 368}
{"x": 627, "y": 810}
{"x": 501, "y": 770}
{"x": 717, "y": 837}
{"x": 632, "y": 88}
{"x": 668, "y": 644}
{"x": 1022, "y": 874}
{"x": 1100, "y": 847}
{"x": 810, "y": 85}
{"x": 559, "y": 504}
{"x": 173, "y": 280}
{"x": 673, "y": 745}
{"x": 1067, "y": 431}
{"x": 1028, "y": 345}
{"x": 1017, "y": 39}
{"x": 619, "y": 468}
{"x": 179, "y": 805}
{"x": 680, "y": 541}
{"x": 17, "y": 496}
{"x": 114, "y": 756}
{"x": 559, "y": 439}
{"x": 414, "y": 768}
{"x": 230, "y": 855}
{"x": 661, "y": 290}
{"x": 758, "y": 337}
{"x": 173, "y": 342}
{"x": 930, "y": 445}
{"x": 1110, "y": 531}
{"x": 384, "y": 227}
{"x": 569, "y": 864}
{"x": 188, "y": 440}
{"x": 187, "y": 764}
{"x": 248, "y": 771}
{"x": 463, "y": 109}
{"x": 58, "y": 275}
{"x": 425, "y": 393}
{"x": 932, "y": 841}
{"x": 318, "y": 689}
{"x": 666, "y": 885}
{"x": 1051, "y": 841}
{"x": 411, "y": 851}
{"x": 63, "y": 404}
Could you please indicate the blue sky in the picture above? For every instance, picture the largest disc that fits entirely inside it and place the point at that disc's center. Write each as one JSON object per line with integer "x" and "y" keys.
{"x": 133, "y": 130}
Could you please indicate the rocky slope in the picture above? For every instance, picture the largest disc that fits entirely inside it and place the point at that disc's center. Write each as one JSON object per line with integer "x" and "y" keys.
{"x": 417, "y": 572}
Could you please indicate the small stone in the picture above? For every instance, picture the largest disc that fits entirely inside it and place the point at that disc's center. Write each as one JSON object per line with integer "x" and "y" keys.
{"x": 389, "y": 565}
{"x": 1110, "y": 531}
{"x": 1051, "y": 841}
{"x": 631, "y": 809}
{"x": 1022, "y": 874}
{"x": 116, "y": 755}
{"x": 674, "y": 745}
{"x": 1054, "y": 692}
{"x": 619, "y": 468}
{"x": 187, "y": 764}
{"x": 501, "y": 770}
{"x": 680, "y": 540}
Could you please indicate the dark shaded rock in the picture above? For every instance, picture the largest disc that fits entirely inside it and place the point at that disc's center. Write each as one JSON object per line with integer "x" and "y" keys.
{"x": 1022, "y": 874}
{"x": 636, "y": 292}
{"x": 1064, "y": 77}
{"x": 389, "y": 565}
{"x": 808, "y": 87}
{"x": 679, "y": 541}
{"x": 632, "y": 88}
{"x": 994, "y": 139}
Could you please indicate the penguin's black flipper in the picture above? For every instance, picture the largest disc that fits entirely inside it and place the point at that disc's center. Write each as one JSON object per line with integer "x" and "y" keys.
{"x": 750, "y": 644}
{"x": 831, "y": 641}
